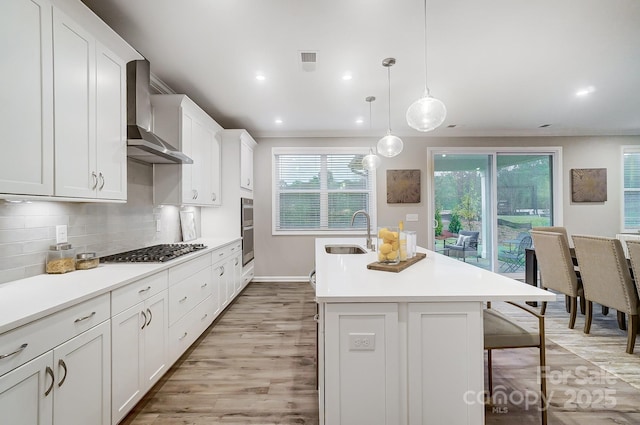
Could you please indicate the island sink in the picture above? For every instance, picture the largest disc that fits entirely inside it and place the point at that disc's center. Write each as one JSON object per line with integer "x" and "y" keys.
{"x": 344, "y": 249}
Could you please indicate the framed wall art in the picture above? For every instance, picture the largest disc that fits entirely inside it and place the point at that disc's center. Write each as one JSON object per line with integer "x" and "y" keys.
{"x": 403, "y": 186}
{"x": 589, "y": 185}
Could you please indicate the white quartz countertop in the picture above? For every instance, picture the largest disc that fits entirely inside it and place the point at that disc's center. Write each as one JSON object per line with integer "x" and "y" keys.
{"x": 437, "y": 278}
{"x": 26, "y": 300}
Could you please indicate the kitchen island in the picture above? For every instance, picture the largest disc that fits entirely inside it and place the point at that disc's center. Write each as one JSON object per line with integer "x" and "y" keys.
{"x": 404, "y": 348}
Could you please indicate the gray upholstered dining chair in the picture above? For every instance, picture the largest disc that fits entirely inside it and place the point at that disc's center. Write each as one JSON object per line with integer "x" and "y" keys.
{"x": 607, "y": 280}
{"x": 633, "y": 247}
{"x": 556, "y": 269}
{"x": 502, "y": 332}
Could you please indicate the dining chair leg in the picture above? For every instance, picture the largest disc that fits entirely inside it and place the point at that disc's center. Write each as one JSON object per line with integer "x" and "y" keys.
{"x": 631, "y": 334}
{"x": 573, "y": 313}
{"x": 490, "y": 372}
{"x": 605, "y": 310}
{"x": 582, "y": 305}
{"x": 622, "y": 320}
{"x": 543, "y": 308}
{"x": 587, "y": 317}
{"x": 543, "y": 383}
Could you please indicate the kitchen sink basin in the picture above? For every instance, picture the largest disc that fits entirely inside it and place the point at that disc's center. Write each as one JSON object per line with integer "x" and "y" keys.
{"x": 344, "y": 249}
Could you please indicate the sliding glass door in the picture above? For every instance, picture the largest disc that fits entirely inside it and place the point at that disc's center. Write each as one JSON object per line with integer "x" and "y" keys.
{"x": 499, "y": 195}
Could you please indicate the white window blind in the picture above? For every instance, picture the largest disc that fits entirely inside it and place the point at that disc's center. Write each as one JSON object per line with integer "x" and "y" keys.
{"x": 631, "y": 198}
{"x": 317, "y": 190}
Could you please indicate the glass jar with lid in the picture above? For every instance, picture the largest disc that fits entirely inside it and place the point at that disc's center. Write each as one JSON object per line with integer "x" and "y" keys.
{"x": 86, "y": 261}
{"x": 61, "y": 258}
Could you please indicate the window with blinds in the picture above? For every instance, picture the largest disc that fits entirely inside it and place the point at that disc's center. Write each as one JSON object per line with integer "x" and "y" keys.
{"x": 317, "y": 190}
{"x": 631, "y": 195}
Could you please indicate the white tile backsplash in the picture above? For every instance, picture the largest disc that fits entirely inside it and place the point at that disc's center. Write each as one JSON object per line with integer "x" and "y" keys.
{"x": 27, "y": 229}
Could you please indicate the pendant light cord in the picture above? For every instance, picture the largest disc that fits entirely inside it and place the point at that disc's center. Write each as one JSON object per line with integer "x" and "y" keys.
{"x": 426, "y": 86}
{"x": 389, "y": 87}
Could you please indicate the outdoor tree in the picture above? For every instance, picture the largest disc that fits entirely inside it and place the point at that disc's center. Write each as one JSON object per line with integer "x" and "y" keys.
{"x": 468, "y": 208}
{"x": 454, "y": 224}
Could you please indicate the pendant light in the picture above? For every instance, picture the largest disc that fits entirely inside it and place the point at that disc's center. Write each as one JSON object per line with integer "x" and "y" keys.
{"x": 389, "y": 145}
{"x": 426, "y": 113}
{"x": 371, "y": 161}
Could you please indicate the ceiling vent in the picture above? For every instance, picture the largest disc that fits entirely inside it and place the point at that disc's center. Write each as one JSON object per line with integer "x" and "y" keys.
{"x": 308, "y": 60}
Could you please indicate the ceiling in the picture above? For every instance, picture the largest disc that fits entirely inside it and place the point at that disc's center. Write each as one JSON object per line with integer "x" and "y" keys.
{"x": 502, "y": 67}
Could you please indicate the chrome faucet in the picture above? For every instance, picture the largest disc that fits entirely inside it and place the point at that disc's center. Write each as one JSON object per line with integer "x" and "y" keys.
{"x": 370, "y": 245}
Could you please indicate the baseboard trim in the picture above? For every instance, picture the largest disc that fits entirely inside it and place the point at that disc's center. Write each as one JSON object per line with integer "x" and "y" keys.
{"x": 301, "y": 279}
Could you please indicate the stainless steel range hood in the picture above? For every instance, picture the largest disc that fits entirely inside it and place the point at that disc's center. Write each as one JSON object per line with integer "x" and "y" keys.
{"x": 142, "y": 144}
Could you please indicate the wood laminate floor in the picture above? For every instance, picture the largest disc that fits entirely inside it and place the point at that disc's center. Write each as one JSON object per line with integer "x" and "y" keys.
{"x": 256, "y": 366}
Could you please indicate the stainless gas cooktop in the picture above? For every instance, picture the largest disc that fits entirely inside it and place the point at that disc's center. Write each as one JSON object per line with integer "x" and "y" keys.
{"x": 153, "y": 254}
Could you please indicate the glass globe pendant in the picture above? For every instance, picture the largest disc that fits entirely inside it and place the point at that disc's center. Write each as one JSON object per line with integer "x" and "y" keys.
{"x": 390, "y": 145}
{"x": 426, "y": 113}
{"x": 371, "y": 161}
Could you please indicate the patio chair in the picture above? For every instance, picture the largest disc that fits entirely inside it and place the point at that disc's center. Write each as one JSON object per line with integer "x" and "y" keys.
{"x": 607, "y": 281}
{"x": 466, "y": 245}
{"x": 514, "y": 260}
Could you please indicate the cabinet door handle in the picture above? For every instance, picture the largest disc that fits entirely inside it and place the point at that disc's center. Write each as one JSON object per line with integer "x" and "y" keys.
{"x": 236, "y": 261}
{"x": 150, "y": 317}
{"x": 142, "y": 291}
{"x": 205, "y": 316}
{"x": 248, "y": 182}
{"x": 101, "y": 181}
{"x": 144, "y": 320}
{"x": 183, "y": 300}
{"x": 89, "y": 316}
{"x": 22, "y": 347}
{"x": 204, "y": 286}
{"x": 94, "y": 177}
{"x": 182, "y": 337}
{"x": 222, "y": 269}
{"x": 49, "y": 372}
{"x": 213, "y": 196}
{"x": 64, "y": 366}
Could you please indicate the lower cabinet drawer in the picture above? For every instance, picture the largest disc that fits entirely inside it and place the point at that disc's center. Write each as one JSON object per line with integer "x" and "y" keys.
{"x": 29, "y": 341}
{"x": 184, "y": 333}
{"x": 187, "y": 294}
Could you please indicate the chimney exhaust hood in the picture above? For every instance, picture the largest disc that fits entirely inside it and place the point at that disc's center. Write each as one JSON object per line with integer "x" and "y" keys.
{"x": 142, "y": 144}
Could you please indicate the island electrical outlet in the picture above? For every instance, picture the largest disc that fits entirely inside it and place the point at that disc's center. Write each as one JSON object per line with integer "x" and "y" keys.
{"x": 362, "y": 341}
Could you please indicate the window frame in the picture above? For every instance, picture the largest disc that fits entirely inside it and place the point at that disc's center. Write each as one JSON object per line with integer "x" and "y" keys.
{"x": 275, "y": 151}
{"x": 626, "y": 149}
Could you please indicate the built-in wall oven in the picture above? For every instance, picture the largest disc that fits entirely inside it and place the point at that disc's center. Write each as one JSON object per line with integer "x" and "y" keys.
{"x": 246, "y": 230}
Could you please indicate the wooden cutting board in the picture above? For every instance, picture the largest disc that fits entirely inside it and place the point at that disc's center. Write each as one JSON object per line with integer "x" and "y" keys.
{"x": 396, "y": 268}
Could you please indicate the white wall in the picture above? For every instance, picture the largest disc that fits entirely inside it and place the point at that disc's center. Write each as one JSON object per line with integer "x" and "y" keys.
{"x": 280, "y": 257}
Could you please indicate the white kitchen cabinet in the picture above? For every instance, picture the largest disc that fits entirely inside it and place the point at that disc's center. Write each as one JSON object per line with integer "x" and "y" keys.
{"x": 439, "y": 373}
{"x": 82, "y": 394}
{"x": 26, "y": 121}
{"x": 246, "y": 161}
{"x": 26, "y": 396}
{"x": 361, "y": 364}
{"x": 140, "y": 341}
{"x": 179, "y": 121}
{"x": 69, "y": 385}
{"x": 90, "y": 104}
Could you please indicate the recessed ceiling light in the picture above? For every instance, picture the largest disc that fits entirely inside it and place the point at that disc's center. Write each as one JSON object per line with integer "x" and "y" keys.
{"x": 451, "y": 126}
{"x": 278, "y": 121}
{"x": 544, "y": 126}
{"x": 359, "y": 121}
{"x": 585, "y": 91}
{"x": 260, "y": 77}
{"x": 347, "y": 76}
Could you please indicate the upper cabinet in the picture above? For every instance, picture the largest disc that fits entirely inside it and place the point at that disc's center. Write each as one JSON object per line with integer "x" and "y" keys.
{"x": 246, "y": 161}
{"x": 179, "y": 121}
{"x": 90, "y": 113}
{"x": 67, "y": 132}
{"x": 26, "y": 121}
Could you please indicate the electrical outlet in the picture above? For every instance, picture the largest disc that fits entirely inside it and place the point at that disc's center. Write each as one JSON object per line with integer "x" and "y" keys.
{"x": 362, "y": 341}
{"x": 412, "y": 217}
{"x": 158, "y": 226}
{"x": 61, "y": 233}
